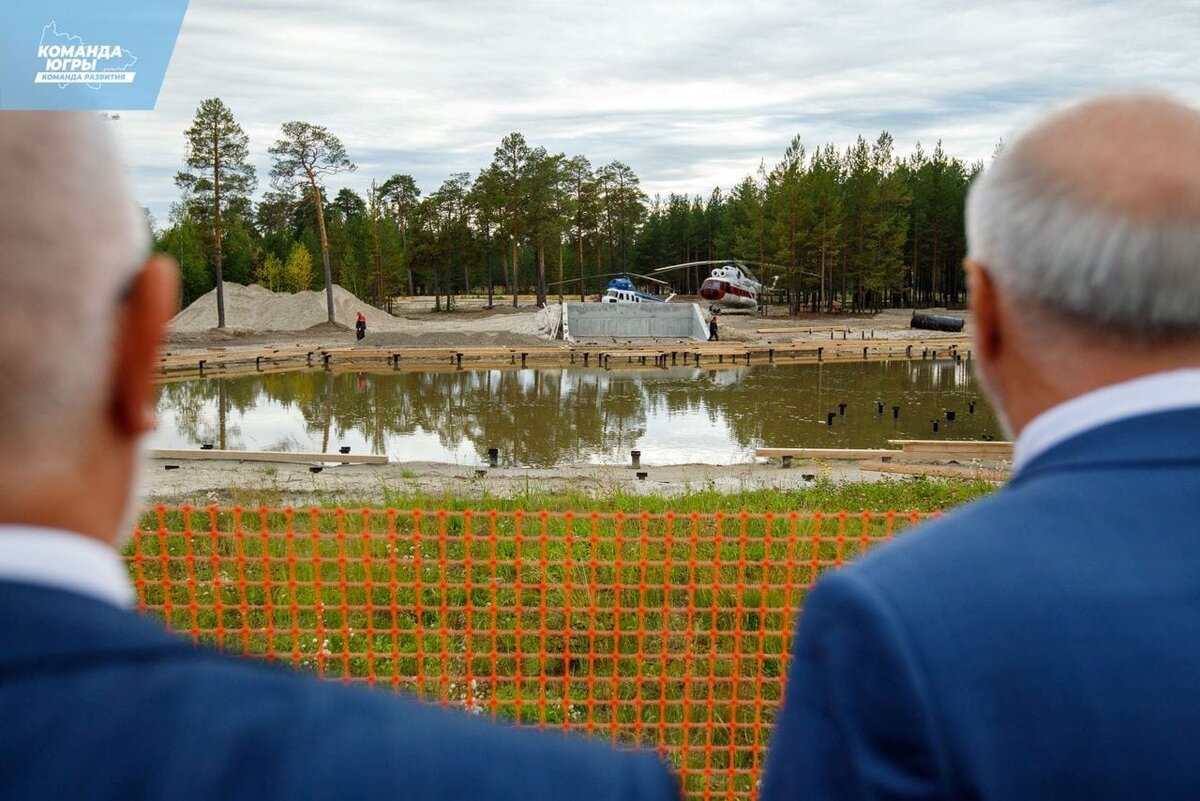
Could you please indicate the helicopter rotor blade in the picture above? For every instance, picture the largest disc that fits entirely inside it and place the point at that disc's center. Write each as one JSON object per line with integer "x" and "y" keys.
{"x": 781, "y": 269}
{"x": 691, "y": 264}
{"x": 587, "y": 278}
{"x": 648, "y": 278}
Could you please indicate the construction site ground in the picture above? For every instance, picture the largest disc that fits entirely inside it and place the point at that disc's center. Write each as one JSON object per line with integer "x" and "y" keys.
{"x": 421, "y": 338}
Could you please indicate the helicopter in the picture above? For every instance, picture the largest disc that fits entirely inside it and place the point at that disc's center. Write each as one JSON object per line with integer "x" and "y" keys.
{"x": 731, "y": 285}
{"x": 622, "y": 290}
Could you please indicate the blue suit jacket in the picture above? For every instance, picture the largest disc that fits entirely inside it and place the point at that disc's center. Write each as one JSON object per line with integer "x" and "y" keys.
{"x": 1042, "y": 643}
{"x": 99, "y": 703}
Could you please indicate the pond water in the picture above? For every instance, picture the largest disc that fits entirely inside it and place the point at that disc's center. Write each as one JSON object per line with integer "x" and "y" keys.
{"x": 550, "y": 417}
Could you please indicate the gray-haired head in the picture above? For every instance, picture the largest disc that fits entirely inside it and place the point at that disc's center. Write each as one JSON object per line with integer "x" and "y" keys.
{"x": 71, "y": 238}
{"x": 1095, "y": 215}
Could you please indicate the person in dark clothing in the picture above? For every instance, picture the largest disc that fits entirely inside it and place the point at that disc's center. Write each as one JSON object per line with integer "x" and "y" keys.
{"x": 1040, "y": 643}
{"x": 98, "y": 700}
{"x": 712, "y": 330}
{"x": 360, "y": 326}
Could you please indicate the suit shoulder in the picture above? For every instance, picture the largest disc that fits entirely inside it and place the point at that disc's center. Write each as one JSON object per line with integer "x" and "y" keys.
{"x": 988, "y": 535}
{"x": 980, "y": 518}
{"x": 326, "y": 734}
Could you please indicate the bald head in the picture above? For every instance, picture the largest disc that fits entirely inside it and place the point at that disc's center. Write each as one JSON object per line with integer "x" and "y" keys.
{"x": 1095, "y": 214}
{"x": 1134, "y": 157}
{"x": 71, "y": 238}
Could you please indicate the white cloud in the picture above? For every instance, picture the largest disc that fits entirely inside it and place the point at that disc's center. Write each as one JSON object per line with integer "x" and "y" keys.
{"x": 691, "y": 95}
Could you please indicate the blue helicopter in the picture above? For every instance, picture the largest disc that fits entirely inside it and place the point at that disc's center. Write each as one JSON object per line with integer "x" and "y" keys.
{"x": 622, "y": 289}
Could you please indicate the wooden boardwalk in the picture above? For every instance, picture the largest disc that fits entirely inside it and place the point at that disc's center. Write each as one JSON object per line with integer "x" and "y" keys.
{"x": 262, "y": 359}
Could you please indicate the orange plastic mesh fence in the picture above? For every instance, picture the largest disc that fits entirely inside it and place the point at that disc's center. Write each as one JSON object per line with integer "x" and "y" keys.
{"x": 669, "y": 631}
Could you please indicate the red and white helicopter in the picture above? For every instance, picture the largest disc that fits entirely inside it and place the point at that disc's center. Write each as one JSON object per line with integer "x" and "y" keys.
{"x": 731, "y": 286}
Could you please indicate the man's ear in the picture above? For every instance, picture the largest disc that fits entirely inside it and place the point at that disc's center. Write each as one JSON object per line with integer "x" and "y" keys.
{"x": 152, "y": 300}
{"x": 987, "y": 331}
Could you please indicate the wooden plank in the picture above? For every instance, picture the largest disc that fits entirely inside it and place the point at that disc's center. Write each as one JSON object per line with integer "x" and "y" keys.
{"x": 269, "y": 456}
{"x": 945, "y": 449}
{"x": 942, "y": 443}
{"x": 827, "y": 453}
{"x": 934, "y": 470}
{"x": 188, "y": 361}
{"x": 797, "y": 329}
{"x": 178, "y": 376}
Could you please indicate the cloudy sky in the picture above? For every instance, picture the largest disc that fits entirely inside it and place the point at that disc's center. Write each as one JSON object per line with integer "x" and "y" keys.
{"x": 692, "y": 94}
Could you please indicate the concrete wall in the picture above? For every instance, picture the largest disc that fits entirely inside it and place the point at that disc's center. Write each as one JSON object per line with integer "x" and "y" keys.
{"x": 661, "y": 320}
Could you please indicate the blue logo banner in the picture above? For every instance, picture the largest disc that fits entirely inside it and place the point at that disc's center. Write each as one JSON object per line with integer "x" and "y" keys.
{"x": 86, "y": 54}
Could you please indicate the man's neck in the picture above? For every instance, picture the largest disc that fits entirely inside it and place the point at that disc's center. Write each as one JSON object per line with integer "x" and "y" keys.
{"x": 1138, "y": 397}
{"x": 87, "y": 502}
{"x": 1057, "y": 375}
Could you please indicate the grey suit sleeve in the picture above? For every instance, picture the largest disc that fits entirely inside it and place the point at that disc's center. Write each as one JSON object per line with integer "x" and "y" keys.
{"x": 855, "y": 720}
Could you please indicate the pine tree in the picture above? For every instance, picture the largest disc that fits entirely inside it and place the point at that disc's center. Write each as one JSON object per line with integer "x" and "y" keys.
{"x": 218, "y": 148}
{"x": 584, "y": 205}
{"x": 510, "y": 167}
{"x": 624, "y": 205}
{"x": 401, "y": 192}
{"x": 545, "y": 198}
{"x": 302, "y": 157}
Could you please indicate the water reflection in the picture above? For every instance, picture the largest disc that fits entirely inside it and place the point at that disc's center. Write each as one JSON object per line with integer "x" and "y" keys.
{"x": 548, "y": 417}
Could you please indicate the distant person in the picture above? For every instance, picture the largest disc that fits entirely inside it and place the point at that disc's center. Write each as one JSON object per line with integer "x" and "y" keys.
{"x": 360, "y": 326}
{"x": 1043, "y": 643}
{"x": 97, "y": 701}
{"x": 712, "y": 329}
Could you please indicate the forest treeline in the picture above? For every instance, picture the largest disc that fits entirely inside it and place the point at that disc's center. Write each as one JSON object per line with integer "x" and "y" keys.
{"x": 848, "y": 229}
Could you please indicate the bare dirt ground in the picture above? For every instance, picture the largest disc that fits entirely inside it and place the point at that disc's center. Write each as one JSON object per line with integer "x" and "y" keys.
{"x": 472, "y": 324}
{"x": 203, "y": 483}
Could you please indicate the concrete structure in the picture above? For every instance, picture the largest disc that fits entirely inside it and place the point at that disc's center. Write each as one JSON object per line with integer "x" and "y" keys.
{"x": 658, "y": 320}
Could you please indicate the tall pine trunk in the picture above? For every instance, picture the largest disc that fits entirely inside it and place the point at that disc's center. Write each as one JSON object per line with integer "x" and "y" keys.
{"x": 541, "y": 273}
{"x": 560, "y": 271}
{"x": 514, "y": 271}
{"x": 217, "y": 233}
{"x": 581, "y": 265}
{"x": 324, "y": 246}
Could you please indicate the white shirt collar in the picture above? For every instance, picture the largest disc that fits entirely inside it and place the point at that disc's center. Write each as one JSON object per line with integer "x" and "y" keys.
{"x": 1160, "y": 392}
{"x": 64, "y": 561}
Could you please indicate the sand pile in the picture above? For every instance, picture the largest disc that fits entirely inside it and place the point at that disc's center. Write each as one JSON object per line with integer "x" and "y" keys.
{"x": 499, "y": 328}
{"x": 256, "y": 308}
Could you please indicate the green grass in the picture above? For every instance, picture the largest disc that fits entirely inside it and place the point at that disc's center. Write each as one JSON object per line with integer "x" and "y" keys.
{"x": 919, "y": 494}
{"x": 635, "y": 624}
